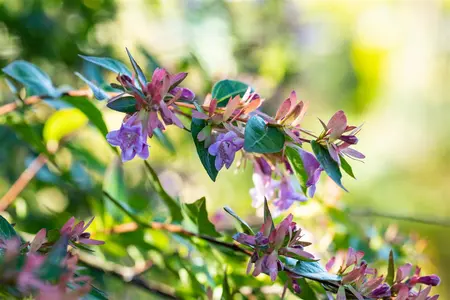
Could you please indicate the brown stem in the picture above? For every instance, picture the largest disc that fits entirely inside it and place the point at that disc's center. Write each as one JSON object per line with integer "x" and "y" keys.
{"x": 22, "y": 181}
{"x": 128, "y": 275}
{"x": 174, "y": 229}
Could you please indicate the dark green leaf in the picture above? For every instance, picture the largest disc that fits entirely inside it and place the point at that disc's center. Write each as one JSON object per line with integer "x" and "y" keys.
{"x": 347, "y": 167}
{"x": 90, "y": 110}
{"x": 311, "y": 270}
{"x": 391, "y": 269}
{"x": 114, "y": 185}
{"x": 198, "y": 214}
{"x": 207, "y": 159}
{"x": 226, "y": 290}
{"x": 268, "y": 220}
{"x": 137, "y": 68}
{"x": 34, "y": 79}
{"x": 53, "y": 268}
{"x": 296, "y": 163}
{"x": 28, "y": 134}
{"x": 173, "y": 205}
{"x": 330, "y": 166}
{"x": 7, "y": 232}
{"x": 108, "y": 63}
{"x": 225, "y": 89}
{"x": 244, "y": 227}
{"x": 99, "y": 94}
{"x": 125, "y": 104}
{"x": 164, "y": 140}
{"x": 261, "y": 138}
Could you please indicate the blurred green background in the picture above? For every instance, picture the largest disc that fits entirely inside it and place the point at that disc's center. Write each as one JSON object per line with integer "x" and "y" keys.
{"x": 386, "y": 63}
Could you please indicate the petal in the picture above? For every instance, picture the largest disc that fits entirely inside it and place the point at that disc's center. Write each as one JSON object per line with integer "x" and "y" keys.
{"x": 91, "y": 242}
{"x": 128, "y": 154}
{"x": 113, "y": 138}
{"x": 214, "y": 148}
{"x": 218, "y": 163}
{"x": 199, "y": 115}
{"x": 283, "y": 109}
{"x": 177, "y": 79}
{"x": 67, "y": 228}
{"x": 144, "y": 153}
{"x": 333, "y": 152}
{"x": 337, "y": 124}
{"x": 231, "y": 107}
{"x": 88, "y": 224}
{"x": 38, "y": 240}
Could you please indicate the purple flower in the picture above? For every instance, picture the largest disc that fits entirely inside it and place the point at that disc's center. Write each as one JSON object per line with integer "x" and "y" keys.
{"x": 264, "y": 183}
{"x": 130, "y": 138}
{"x": 312, "y": 168}
{"x": 287, "y": 194}
{"x": 225, "y": 148}
{"x": 384, "y": 290}
{"x": 432, "y": 280}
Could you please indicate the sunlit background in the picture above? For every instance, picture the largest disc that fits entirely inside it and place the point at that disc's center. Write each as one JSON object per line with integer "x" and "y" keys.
{"x": 386, "y": 63}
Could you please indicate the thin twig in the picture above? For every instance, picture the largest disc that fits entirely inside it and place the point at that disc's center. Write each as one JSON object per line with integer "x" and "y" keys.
{"x": 128, "y": 275}
{"x": 427, "y": 221}
{"x": 175, "y": 228}
{"x": 22, "y": 181}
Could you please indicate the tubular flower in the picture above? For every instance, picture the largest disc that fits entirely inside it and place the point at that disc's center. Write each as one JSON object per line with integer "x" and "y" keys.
{"x": 269, "y": 243}
{"x": 130, "y": 138}
{"x": 264, "y": 183}
{"x": 225, "y": 148}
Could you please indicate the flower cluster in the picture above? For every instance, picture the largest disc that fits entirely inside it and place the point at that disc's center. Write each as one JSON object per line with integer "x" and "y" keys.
{"x": 364, "y": 282}
{"x": 226, "y": 115}
{"x": 271, "y": 242}
{"x": 44, "y": 267}
{"x": 153, "y": 109}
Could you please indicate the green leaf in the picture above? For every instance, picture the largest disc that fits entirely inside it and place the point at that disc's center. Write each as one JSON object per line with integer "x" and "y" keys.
{"x": 164, "y": 140}
{"x": 347, "y": 167}
{"x": 125, "y": 104}
{"x": 109, "y": 64}
{"x": 311, "y": 270}
{"x": 225, "y": 89}
{"x": 34, "y": 79}
{"x": 268, "y": 220}
{"x": 173, "y": 205}
{"x": 207, "y": 159}
{"x": 198, "y": 214}
{"x": 391, "y": 269}
{"x": 90, "y": 110}
{"x": 244, "y": 227}
{"x": 63, "y": 123}
{"x": 114, "y": 185}
{"x": 29, "y": 134}
{"x": 52, "y": 268}
{"x": 137, "y": 69}
{"x": 330, "y": 166}
{"x": 226, "y": 290}
{"x": 7, "y": 232}
{"x": 296, "y": 163}
{"x": 261, "y": 138}
{"x": 99, "y": 94}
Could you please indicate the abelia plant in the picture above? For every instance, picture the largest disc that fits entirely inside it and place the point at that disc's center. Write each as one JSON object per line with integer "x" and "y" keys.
{"x": 46, "y": 267}
{"x": 226, "y": 125}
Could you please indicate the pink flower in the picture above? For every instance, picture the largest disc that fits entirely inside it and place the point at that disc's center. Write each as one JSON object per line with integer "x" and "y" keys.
{"x": 337, "y": 142}
{"x": 77, "y": 232}
{"x": 268, "y": 244}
